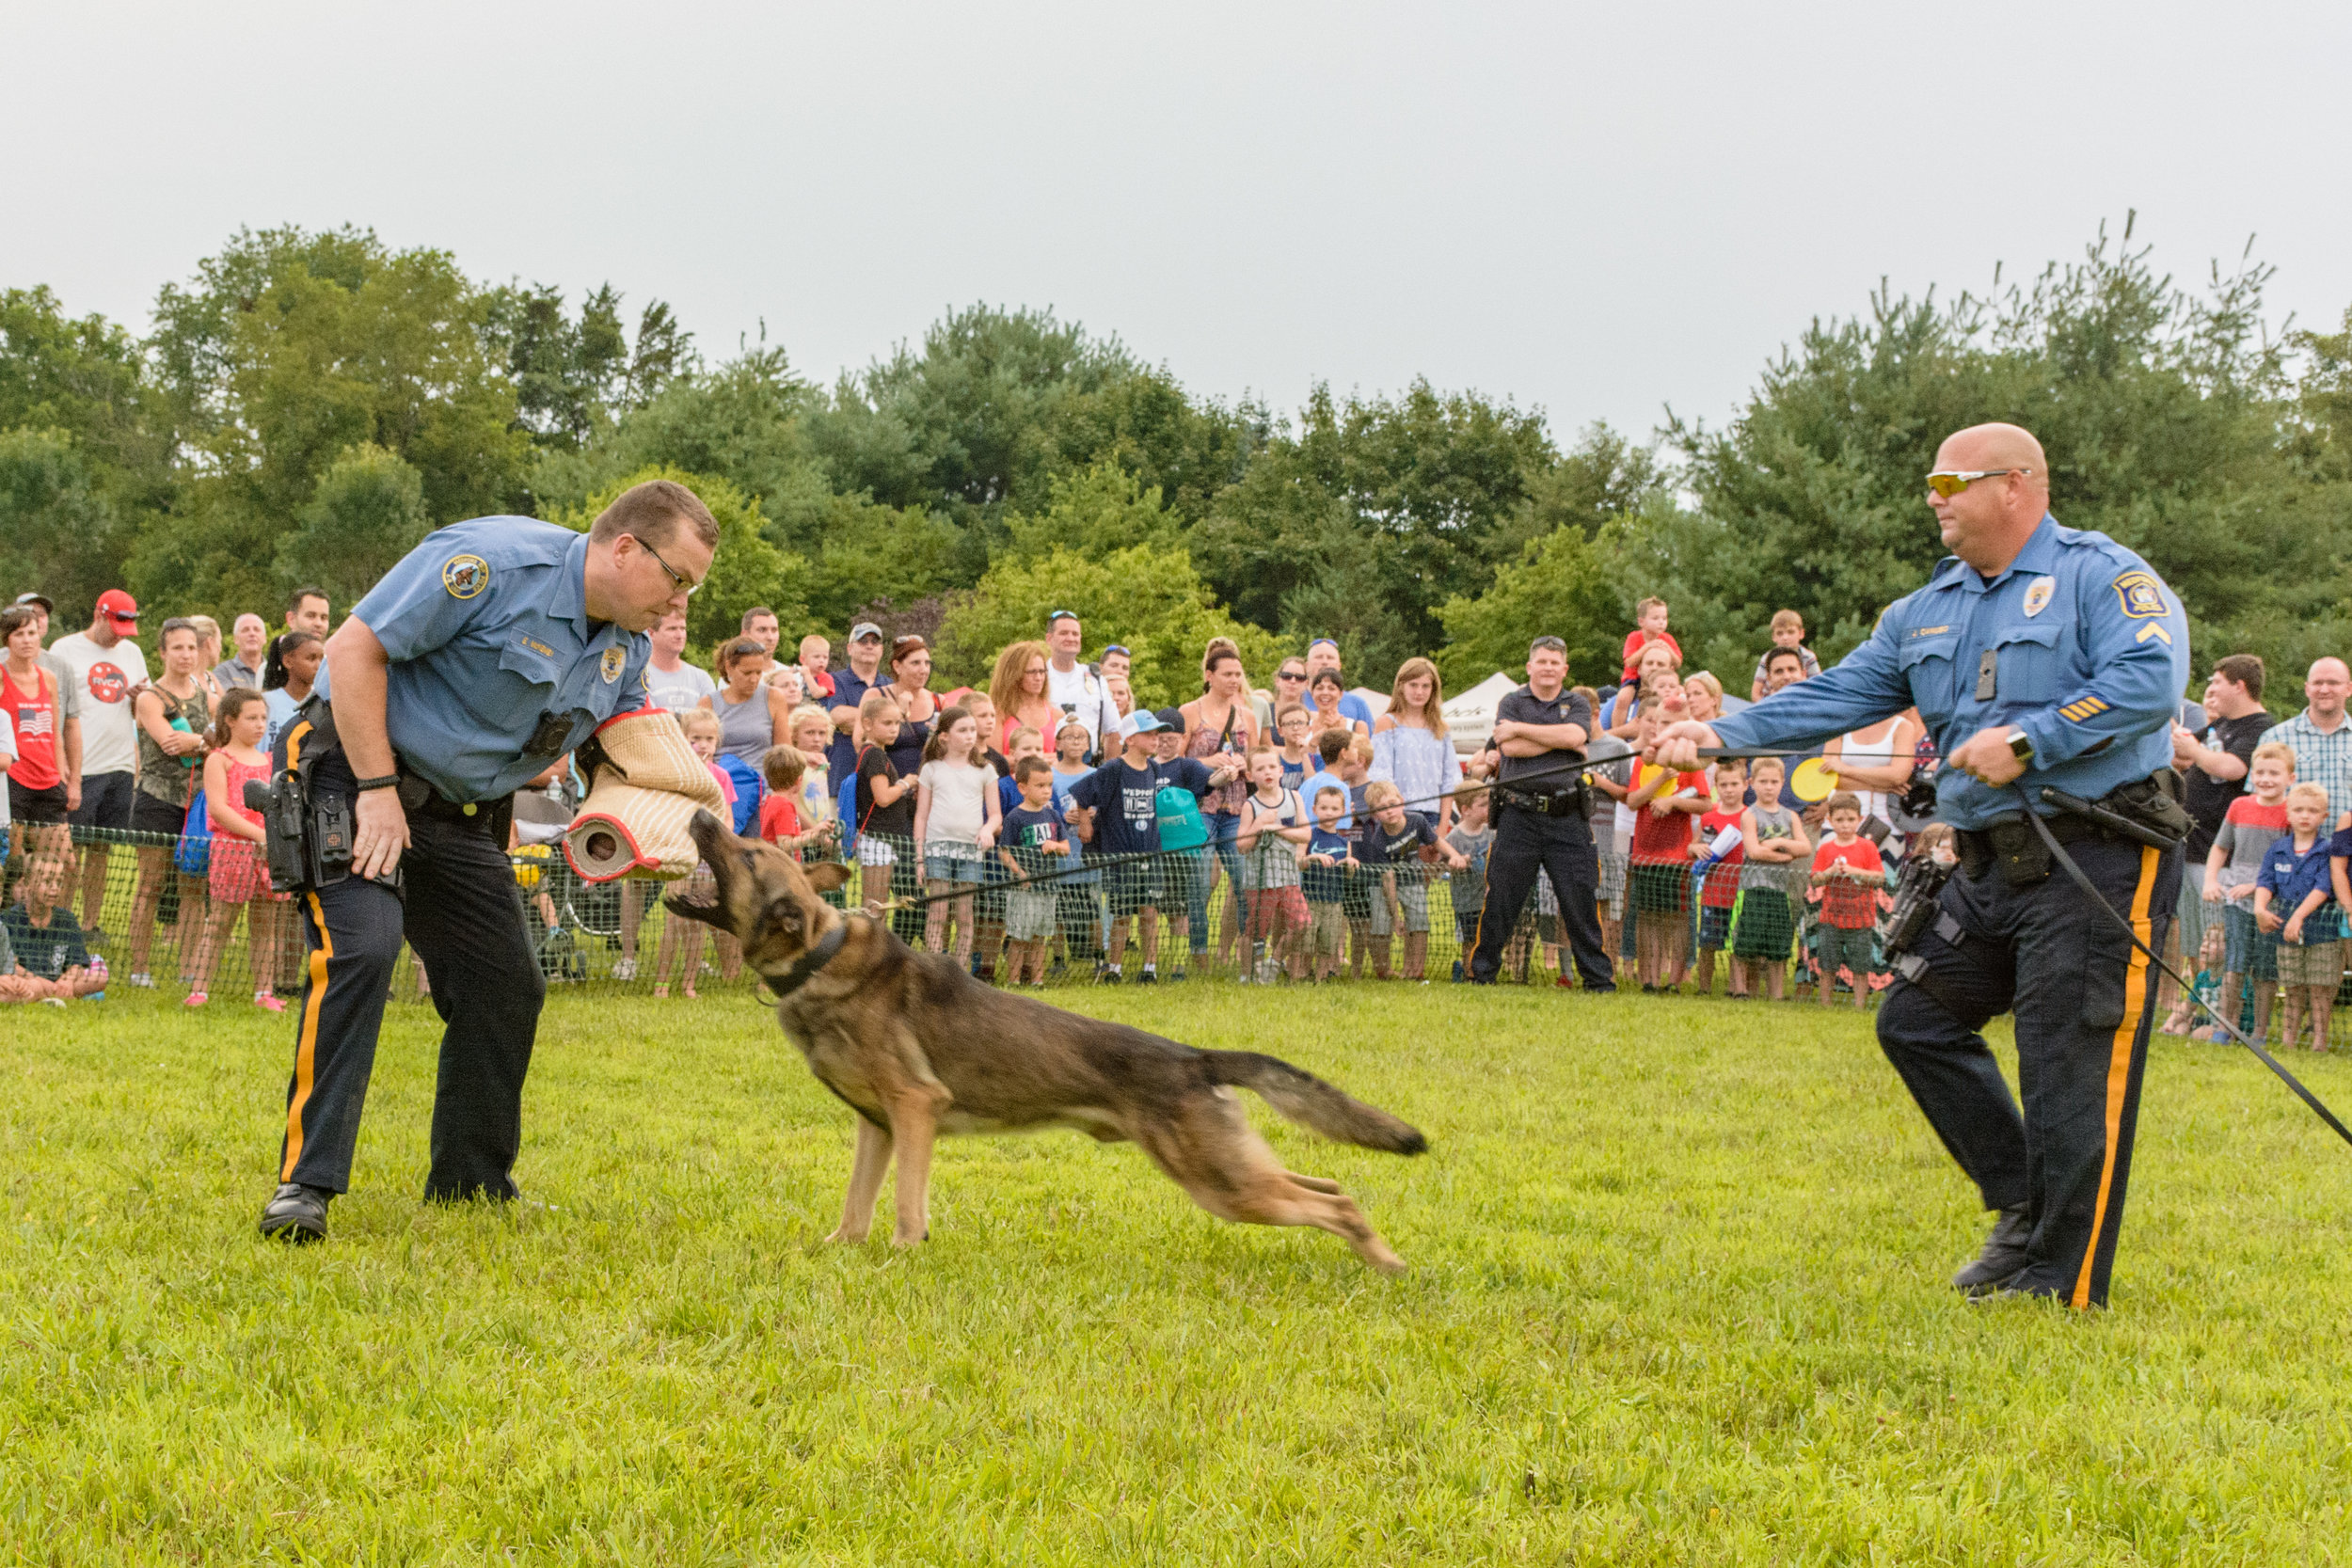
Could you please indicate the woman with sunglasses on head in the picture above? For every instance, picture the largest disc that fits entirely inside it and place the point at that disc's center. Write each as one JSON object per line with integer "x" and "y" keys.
{"x": 1323, "y": 707}
{"x": 755, "y": 718}
{"x": 172, "y": 715}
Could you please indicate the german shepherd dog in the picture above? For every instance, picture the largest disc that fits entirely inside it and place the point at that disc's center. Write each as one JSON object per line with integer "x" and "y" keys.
{"x": 917, "y": 1047}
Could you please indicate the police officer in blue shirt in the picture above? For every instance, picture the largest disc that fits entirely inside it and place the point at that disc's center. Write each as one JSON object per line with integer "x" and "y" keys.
{"x": 2044, "y": 657}
{"x": 491, "y": 649}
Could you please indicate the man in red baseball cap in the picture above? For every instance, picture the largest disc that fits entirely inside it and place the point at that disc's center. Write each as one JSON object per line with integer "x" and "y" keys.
{"x": 105, "y": 667}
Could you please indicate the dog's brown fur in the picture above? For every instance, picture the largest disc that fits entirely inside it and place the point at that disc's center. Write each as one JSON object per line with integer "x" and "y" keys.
{"x": 917, "y": 1047}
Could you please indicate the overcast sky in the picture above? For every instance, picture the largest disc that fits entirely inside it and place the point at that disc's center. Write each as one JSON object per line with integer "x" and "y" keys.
{"x": 1597, "y": 210}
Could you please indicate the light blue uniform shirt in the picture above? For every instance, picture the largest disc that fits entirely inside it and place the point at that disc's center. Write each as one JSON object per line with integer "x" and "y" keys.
{"x": 2089, "y": 656}
{"x": 487, "y": 626}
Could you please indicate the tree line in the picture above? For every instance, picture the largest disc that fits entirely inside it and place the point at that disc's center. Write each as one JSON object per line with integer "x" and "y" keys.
{"x": 309, "y": 404}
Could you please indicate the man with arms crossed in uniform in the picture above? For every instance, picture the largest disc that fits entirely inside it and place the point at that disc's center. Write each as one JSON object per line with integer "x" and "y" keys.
{"x": 2040, "y": 656}
{"x": 495, "y": 647}
{"x": 1540, "y": 821}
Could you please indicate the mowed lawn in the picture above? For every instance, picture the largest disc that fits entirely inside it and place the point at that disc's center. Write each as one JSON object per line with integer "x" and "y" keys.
{"x": 1677, "y": 1296}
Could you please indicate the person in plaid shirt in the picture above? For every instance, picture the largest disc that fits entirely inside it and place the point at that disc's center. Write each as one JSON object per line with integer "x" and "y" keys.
{"x": 2321, "y": 738}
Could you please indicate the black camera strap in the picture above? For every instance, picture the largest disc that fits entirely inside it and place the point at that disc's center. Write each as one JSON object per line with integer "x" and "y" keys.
{"x": 2059, "y": 854}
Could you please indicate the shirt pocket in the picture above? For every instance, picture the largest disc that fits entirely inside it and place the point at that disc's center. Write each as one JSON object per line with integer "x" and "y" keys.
{"x": 1927, "y": 664}
{"x": 2027, "y": 665}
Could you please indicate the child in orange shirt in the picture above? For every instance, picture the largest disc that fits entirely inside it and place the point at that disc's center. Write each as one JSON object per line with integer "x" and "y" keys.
{"x": 1649, "y": 626}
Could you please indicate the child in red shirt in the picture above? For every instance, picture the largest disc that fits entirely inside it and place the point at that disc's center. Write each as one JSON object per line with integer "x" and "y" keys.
{"x": 780, "y": 808}
{"x": 1649, "y": 626}
{"x": 1849, "y": 879}
{"x": 1721, "y": 889}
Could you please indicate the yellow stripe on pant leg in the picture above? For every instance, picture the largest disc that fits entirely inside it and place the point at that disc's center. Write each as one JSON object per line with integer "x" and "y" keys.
{"x": 2120, "y": 1063}
{"x": 305, "y": 1051}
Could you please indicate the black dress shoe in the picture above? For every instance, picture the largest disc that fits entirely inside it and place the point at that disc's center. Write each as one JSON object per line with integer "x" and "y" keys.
{"x": 2003, "y": 1257}
{"x": 297, "y": 1214}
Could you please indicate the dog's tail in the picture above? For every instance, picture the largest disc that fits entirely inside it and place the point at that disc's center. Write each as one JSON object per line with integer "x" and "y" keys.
{"x": 1303, "y": 1098}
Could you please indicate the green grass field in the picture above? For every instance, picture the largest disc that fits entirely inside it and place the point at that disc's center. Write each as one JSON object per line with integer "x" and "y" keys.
{"x": 1676, "y": 1297}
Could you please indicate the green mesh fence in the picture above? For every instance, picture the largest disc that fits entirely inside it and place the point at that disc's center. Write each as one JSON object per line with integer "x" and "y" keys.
{"x": 1261, "y": 916}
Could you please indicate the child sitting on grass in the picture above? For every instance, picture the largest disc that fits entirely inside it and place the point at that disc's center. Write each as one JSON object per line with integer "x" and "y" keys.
{"x": 1849, "y": 879}
{"x": 1032, "y": 839}
{"x": 682, "y": 939}
{"x": 2293, "y": 897}
{"x": 1322, "y": 875}
{"x": 2251, "y": 824}
{"x": 1772, "y": 836}
{"x": 52, "y": 963}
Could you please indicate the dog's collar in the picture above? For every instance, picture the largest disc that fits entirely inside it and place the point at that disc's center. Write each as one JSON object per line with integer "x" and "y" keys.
{"x": 805, "y": 967}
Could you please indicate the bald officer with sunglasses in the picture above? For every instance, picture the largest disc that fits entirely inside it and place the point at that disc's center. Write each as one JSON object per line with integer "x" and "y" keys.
{"x": 2039, "y": 657}
{"x": 493, "y": 649}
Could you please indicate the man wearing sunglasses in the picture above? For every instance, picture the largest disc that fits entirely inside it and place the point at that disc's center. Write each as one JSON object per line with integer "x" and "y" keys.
{"x": 489, "y": 652}
{"x": 2044, "y": 657}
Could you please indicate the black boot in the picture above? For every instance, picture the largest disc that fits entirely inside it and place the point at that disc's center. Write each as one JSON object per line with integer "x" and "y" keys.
{"x": 297, "y": 1214}
{"x": 2003, "y": 1257}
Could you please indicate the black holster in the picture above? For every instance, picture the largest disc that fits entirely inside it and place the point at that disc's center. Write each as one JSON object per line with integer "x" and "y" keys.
{"x": 308, "y": 832}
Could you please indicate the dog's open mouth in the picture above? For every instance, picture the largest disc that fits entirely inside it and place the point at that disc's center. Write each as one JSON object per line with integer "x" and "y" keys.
{"x": 686, "y": 901}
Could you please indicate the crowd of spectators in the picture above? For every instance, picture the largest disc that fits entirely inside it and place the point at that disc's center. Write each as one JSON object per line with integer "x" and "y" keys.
{"x": 1045, "y": 825}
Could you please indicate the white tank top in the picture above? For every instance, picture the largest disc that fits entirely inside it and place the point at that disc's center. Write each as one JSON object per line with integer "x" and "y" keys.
{"x": 1875, "y": 754}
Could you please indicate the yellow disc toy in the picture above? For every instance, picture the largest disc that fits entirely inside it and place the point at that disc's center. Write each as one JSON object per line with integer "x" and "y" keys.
{"x": 1813, "y": 782}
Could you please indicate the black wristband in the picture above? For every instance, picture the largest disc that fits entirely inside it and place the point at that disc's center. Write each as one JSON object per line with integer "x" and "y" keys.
{"x": 387, "y": 781}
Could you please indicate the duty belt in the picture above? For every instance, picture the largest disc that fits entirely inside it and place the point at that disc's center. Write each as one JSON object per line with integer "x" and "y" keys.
{"x": 1562, "y": 802}
{"x": 420, "y": 798}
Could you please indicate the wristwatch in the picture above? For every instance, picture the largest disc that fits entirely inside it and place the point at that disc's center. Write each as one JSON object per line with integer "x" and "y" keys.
{"x": 2020, "y": 745}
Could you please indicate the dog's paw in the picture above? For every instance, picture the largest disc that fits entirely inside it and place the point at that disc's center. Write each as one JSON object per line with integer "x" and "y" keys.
{"x": 846, "y": 1235}
{"x": 909, "y": 1238}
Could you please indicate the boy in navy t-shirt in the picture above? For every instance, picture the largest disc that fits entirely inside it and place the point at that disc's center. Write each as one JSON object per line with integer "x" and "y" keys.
{"x": 1115, "y": 809}
{"x": 1033, "y": 836}
{"x": 1322, "y": 875}
{"x": 1390, "y": 844}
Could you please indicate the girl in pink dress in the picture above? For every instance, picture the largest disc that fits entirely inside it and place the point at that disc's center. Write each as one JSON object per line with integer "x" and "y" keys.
{"x": 239, "y": 872}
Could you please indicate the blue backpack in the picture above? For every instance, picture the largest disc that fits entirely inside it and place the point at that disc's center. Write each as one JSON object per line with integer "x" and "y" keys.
{"x": 194, "y": 853}
{"x": 750, "y": 789}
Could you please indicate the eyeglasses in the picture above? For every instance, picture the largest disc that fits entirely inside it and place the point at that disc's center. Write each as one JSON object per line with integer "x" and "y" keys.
{"x": 1052, "y": 616}
{"x": 1116, "y": 648}
{"x": 1290, "y": 674}
{"x": 1551, "y": 644}
{"x": 677, "y": 576}
{"x": 1952, "y": 482}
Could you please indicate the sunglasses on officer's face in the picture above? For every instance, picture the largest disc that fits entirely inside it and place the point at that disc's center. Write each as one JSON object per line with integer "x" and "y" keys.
{"x": 1949, "y": 482}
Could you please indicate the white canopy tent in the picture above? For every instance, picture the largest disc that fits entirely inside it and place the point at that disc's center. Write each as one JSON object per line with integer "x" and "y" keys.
{"x": 1471, "y": 716}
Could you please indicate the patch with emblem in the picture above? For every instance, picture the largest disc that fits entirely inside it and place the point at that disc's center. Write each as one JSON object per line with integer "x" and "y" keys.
{"x": 2142, "y": 596}
{"x": 464, "y": 576}
{"x": 614, "y": 658}
{"x": 2038, "y": 595}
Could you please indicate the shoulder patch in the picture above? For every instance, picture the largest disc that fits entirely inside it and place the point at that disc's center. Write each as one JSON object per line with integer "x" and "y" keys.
{"x": 2141, "y": 594}
{"x": 615, "y": 657}
{"x": 464, "y": 576}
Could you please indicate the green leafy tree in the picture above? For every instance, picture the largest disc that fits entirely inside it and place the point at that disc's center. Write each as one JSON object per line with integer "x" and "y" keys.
{"x": 1563, "y": 585}
{"x": 1145, "y": 596}
{"x": 1094, "y": 512}
{"x": 83, "y": 376}
{"x": 2165, "y": 414}
{"x": 59, "y": 531}
{"x": 746, "y": 571}
{"x": 289, "y": 348}
{"x": 367, "y": 512}
{"x": 881, "y": 554}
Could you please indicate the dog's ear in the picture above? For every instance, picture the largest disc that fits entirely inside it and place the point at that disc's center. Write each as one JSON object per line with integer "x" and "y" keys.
{"x": 827, "y": 876}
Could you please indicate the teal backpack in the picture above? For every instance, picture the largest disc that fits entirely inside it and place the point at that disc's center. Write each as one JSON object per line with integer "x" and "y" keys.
{"x": 1179, "y": 811}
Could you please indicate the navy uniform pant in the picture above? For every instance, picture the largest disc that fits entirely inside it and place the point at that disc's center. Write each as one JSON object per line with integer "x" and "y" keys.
{"x": 462, "y": 913}
{"x": 1563, "y": 845}
{"x": 2082, "y": 999}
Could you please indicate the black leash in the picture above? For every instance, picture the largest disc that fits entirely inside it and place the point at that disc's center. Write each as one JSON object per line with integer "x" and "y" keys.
{"x": 2058, "y": 852}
